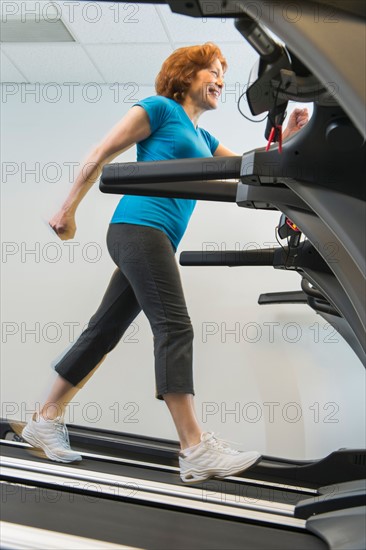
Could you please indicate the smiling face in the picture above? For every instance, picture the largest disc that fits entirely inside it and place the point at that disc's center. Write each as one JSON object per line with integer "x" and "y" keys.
{"x": 205, "y": 89}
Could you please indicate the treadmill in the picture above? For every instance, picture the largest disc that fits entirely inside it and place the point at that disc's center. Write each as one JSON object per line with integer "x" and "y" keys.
{"x": 278, "y": 503}
{"x": 143, "y": 504}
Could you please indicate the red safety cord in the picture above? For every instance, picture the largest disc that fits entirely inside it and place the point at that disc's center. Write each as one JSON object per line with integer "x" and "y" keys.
{"x": 275, "y": 135}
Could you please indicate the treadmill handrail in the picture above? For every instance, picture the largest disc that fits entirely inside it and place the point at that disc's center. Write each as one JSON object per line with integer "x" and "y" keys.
{"x": 212, "y": 190}
{"x": 192, "y": 169}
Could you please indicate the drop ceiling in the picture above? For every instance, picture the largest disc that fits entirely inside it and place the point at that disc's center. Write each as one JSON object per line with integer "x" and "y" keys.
{"x": 105, "y": 43}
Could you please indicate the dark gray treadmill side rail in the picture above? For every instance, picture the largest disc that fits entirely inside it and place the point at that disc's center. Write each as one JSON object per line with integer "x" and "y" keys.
{"x": 191, "y": 169}
{"x": 342, "y": 529}
{"x": 197, "y": 190}
{"x": 214, "y": 179}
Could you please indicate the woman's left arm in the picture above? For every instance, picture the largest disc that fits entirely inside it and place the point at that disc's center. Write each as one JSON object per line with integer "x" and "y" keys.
{"x": 297, "y": 120}
{"x": 222, "y": 151}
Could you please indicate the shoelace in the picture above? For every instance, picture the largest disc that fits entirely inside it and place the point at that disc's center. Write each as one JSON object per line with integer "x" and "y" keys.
{"x": 220, "y": 445}
{"x": 62, "y": 434}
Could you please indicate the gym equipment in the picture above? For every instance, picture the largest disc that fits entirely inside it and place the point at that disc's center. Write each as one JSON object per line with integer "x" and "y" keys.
{"x": 314, "y": 180}
{"x": 320, "y": 194}
{"x": 127, "y": 491}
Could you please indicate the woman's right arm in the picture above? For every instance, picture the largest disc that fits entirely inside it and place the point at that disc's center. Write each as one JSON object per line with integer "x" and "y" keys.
{"x": 134, "y": 127}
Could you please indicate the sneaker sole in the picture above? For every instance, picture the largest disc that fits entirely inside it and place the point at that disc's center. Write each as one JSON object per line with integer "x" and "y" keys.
{"x": 195, "y": 476}
{"x": 29, "y": 438}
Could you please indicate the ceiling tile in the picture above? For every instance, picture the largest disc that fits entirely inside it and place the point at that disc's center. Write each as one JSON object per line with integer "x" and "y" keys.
{"x": 112, "y": 22}
{"x": 129, "y": 63}
{"x": 197, "y": 30}
{"x": 8, "y": 72}
{"x": 53, "y": 62}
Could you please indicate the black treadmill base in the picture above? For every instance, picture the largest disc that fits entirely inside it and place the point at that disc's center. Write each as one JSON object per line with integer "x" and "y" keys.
{"x": 141, "y": 526}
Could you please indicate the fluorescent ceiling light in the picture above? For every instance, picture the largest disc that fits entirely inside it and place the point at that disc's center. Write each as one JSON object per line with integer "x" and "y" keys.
{"x": 32, "y": 22}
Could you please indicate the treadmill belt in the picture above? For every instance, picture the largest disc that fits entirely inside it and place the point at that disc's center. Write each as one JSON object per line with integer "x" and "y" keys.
{"x": 242, "y": 491}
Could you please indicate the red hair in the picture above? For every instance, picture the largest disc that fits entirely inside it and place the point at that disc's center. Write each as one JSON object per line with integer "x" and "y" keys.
{"x": 181, "y": 67}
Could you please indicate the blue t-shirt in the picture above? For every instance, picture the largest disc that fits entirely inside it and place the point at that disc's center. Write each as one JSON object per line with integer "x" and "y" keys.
{"x": 173, "y": 136}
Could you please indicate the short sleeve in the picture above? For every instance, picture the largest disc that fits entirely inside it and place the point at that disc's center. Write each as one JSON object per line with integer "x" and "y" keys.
{"x": 157, "y": 109}
{"x": 212, "y": 142}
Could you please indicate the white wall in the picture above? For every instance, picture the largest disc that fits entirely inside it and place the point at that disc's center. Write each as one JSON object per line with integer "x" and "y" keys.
{"x": 294, "y": 387}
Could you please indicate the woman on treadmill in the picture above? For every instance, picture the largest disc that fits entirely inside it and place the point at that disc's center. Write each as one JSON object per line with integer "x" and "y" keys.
{"x": 142, "y": 239}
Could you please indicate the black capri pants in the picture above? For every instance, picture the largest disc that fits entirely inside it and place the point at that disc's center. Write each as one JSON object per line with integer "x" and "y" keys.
{"x": 147, "y": 278}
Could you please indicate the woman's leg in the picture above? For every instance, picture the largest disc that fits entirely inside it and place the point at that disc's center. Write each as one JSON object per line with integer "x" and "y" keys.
{"x": 62, "y": 392}
{"x": 60, "y": 395}
{"x": 116, "y": 312}
{"x": 147, "y": 259}
{"x": 181, "y": 408}
{"x": 106, "y": 327}
{"x": 150, "y": 266}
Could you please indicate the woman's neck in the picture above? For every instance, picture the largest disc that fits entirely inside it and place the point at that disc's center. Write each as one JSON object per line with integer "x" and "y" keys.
{"x": 192, "y": 110}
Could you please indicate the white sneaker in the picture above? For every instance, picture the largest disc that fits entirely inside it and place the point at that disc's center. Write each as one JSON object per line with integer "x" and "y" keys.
{"x": 213, "y": 457}
{"x": 52, "y": 437}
